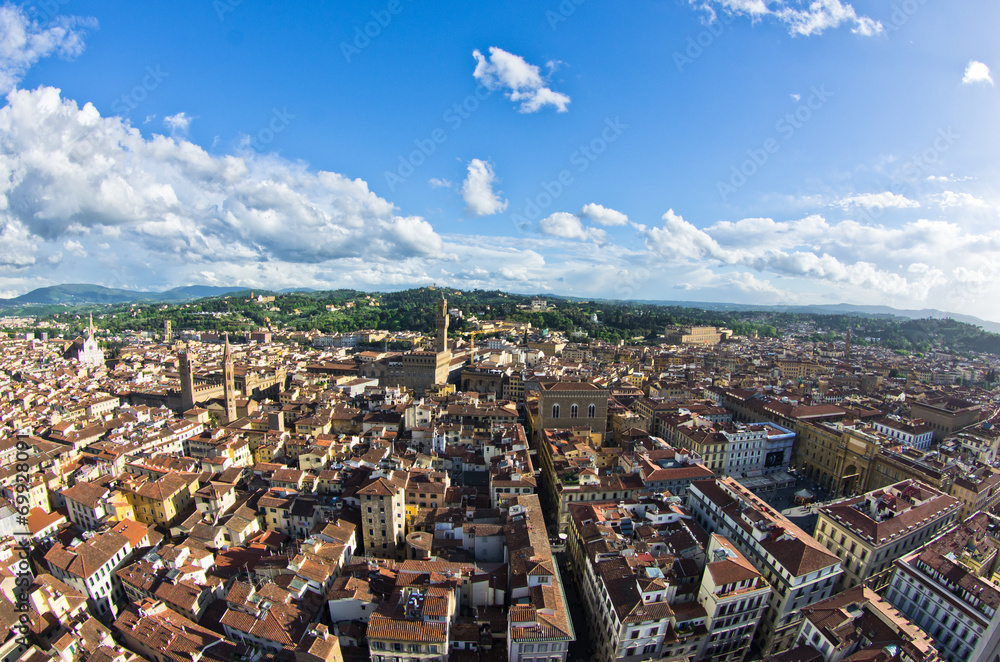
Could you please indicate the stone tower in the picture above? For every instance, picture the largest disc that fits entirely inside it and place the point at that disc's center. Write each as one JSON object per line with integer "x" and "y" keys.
{"x": 229, "y": 382}
{"x": 186, "y": 368}
{"x": 442, "y": 327}
{"x": 168, "y": 332}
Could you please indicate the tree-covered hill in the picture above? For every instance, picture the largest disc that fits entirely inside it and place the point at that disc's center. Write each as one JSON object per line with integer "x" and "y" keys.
{"x": 337, "y": 311}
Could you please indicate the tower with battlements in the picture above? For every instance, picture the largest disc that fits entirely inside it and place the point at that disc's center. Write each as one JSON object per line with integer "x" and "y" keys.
{"x": 229, "y": 382}
{"x": 441, "y": 345}
{"x": 186, "y": 369}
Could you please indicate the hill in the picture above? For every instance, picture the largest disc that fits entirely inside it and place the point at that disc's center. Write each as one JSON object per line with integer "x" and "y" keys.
{"x": 78, "y": 294}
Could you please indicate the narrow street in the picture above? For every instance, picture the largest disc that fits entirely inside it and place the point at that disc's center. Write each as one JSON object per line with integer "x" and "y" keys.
{"x": 581, "y": 649}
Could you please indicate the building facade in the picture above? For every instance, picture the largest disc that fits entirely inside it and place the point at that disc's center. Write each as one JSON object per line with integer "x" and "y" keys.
{"x": 383, "y": 516}
{"x": 950, "y": 589}
{"x": 869, "y": 532}
{"x": 799, "y": 569}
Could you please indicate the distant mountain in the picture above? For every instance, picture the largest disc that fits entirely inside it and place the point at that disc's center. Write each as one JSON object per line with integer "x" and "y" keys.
{"x": 83, "y": 294}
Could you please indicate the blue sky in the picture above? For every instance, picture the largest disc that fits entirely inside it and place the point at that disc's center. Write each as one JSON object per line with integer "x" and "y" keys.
{"x": 770, "y": 151}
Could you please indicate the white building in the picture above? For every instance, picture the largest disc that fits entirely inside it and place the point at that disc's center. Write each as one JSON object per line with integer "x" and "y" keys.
{"x": 734, "y": 596}
{"x": 914, "y": 433}
{"x": 89, "y": 566}
{"x": 799, "y": 569}
{"x": 942, "y": 589}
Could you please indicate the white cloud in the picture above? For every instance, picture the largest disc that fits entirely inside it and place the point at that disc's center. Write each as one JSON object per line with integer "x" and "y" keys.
{"x": 439, "y": 183}
{"x": 178, "y": 123}
{"x": 948, "y": 178}
{"x": 23, "y": 42}
{"x": 75, "y": 248}
{"x": 521, "y": 82}
{"x": 477, "y": 190}
{"x": 77, "y": 171}
{"x": 977, "y": 72}
{"x": 603, "y": 215}
{"x": 568, "y": 226}
{"x": 816, "y": 18}
{"x": 883, "y": 200}
{"x": 867, "y": 260}
{"x": 947, "y": 199}
{"x": 17, "y": 246}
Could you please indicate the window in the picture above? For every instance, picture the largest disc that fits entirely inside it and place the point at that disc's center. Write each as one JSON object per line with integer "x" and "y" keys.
{"x": 555, "y": 411}
{"x": 573, "y": 411}
{"x": 592, "y": 411}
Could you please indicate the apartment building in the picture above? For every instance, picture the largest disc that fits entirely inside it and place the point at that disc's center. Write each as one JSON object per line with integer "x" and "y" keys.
{"x": 734, "y": 595}
{"x": 655, "y": 585}
{"x": 164, "y": 501}
{"x": 87, "y": 504}
{"x": 951, "y": 590}
{"x": 977, "y": 491}
{"x": 383, "y": 515}
{"x": 869, "y": 532}
{"x": 909, "y": 432}
{"x": 412, "y": 626}
{"x": 539, "y": 625}
{"x": 799, "y": 569}
{"x": 857, "y": 624}
{"x": 89, "y": 565}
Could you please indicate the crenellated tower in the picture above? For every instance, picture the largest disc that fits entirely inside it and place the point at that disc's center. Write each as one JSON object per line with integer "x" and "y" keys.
{"x": 229, "y": 382}
{"x": 441, "y": 345}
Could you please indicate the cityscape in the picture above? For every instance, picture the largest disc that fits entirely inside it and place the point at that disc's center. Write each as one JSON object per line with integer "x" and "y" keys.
{"x": 567, "y": 331}
{"x": 481, "y": 488}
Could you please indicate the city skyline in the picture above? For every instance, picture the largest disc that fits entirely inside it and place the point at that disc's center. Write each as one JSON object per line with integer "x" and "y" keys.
{"x": 771, "y": 152}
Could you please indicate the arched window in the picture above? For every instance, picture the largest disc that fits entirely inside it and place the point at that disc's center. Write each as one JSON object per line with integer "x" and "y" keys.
{"x": 573, "y": 411}
{"x": 555, "y": 411}
{"x": 592, "y": 411}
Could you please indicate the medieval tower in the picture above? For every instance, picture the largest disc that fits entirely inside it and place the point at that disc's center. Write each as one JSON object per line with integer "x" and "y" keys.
{"x": 186, "y": 369}
{"x": 229, "y": 382}
{"x": 441, "y": 344}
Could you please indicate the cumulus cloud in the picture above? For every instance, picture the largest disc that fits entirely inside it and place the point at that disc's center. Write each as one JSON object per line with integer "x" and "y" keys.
{"x": 977, "y": 73}
{"x": 178, "y": 123}
{"x": 17, "y": 246}
{"x": 947, "y": 199}
{"x": 439, "y": 183}
{"x": 883, "y": 200}
{"x": 602, "y": 215}
{"x": 815, "y": 18}
{"x": 520, "y": 81}
{"x": 477, "y": 190}
{"x": 568, "y": 226}
{"x": 23, "y": 42}
{"x": 909, "y": 261}
{"x": 71, "y": 173}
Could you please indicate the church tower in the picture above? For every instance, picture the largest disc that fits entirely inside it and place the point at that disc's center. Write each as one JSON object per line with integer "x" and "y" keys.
{"x": 186, "y": 369}
{"x": 441, "y": 345}
{"x": 229, "y": 382}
